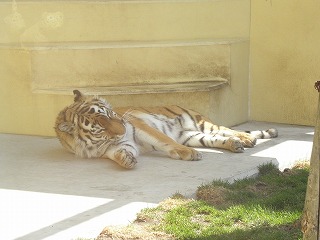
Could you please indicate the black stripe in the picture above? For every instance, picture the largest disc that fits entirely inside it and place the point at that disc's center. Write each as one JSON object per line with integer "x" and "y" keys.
{"x": 99, "y": 131}
{"x": 84, "y": 109}
{"x": 89, "y": 137}
{"x": 164, "y": 129}
{"x": 201, "y": 141}
{"x": 187, "y": 140}
{"x": 78, "y": 107}
{"x": 180, "y": 134}
{"x": 128, "y": 145}
{"x": 146, "y": 110}
{"x": 169, "y": 125}
{"x": 85, "y": 130}
{"x": 179, "y": 120}
{"x": 262, "y": 135}
{"x": 202, "y": 127}
{"x": 187, "y": 112}
{"x": 82, "y": 118}
{"x": 153, "y": 125}
{"x": 134, "y": 133}
{"x": 169, "y": 110}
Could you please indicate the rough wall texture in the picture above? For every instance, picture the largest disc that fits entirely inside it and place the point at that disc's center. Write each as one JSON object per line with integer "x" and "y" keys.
{"x": 40, "y": 24}
{"x": 285, "y": 60}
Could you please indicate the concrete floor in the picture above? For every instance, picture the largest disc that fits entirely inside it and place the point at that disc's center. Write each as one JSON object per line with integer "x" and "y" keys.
{"x": 47, "y": 193}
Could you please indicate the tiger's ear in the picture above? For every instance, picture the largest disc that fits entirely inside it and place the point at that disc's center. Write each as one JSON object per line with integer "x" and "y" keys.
{"x": 66, "y": 127}
{"x": 78, "y": 96}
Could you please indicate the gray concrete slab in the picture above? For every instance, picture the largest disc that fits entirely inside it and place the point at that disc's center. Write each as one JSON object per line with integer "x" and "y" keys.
{"x": 48, "y": 193}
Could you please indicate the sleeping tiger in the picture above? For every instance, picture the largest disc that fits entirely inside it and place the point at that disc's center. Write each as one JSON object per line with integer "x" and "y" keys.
{"x": 91, "y": 128}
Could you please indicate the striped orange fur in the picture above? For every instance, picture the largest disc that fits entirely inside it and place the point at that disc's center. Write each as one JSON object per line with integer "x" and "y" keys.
{"x": 90, "y": 127}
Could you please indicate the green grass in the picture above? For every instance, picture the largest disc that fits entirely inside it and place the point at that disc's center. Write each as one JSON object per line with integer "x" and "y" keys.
{"x": 266, "y": 207}
{"x": 196, "y": 221}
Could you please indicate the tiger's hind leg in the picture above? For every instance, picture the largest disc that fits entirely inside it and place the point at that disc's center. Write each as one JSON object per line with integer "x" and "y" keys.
{"x": 217, "y": 132}
{"x": 247, "y": 138}
{"x": 200, "y": 139}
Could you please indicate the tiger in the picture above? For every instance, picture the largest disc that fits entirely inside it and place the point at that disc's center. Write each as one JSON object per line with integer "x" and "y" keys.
{"x": 91, "y": 128}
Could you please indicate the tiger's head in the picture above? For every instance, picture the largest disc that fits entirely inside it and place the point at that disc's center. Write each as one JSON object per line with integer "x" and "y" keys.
{"x": 90, "y": 123}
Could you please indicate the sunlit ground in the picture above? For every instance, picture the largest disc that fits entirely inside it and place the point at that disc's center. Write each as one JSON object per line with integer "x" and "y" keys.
{"x": 38, "y": 215}
{"x": 34, "y": 215}
{"x": 287, "y": 153}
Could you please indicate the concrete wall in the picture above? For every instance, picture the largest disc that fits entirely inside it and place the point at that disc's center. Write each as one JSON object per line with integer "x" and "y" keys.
{"x": 32, "y": 28}
{"x": 285, "y": 60}
{"x": 284, "y": 55}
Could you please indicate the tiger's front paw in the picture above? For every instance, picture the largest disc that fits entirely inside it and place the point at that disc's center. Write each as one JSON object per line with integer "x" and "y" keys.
{"x": 235, "y": 145}
{"x": 125, "y": 158}
{"x": 247, "y": 140}
{"x": 185, "y": 153}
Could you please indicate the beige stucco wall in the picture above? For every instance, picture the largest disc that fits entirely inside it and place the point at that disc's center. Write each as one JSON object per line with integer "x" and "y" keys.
{"x": 285, "y": 60}
{"x": 123, "y": 20}
{"x": 284, "y": 55}
{"x": 30, "y": 113}
{"x": 24, "y": 112}
{"x": 114, "y": 22}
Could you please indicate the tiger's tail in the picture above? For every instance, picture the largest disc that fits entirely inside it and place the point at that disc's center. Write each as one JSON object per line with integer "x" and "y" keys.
{"x": 264, "y": 134}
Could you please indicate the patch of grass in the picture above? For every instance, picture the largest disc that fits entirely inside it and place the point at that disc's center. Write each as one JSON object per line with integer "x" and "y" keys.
{"x": 263, "y": 208}
{"x": 268, "y": 168}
